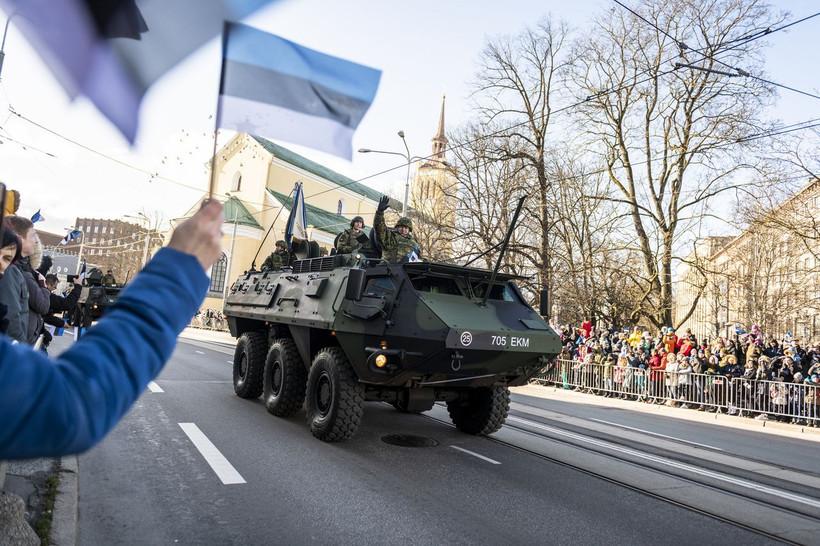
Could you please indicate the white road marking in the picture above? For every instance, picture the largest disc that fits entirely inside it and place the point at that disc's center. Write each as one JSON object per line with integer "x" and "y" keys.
{"x": 153, "y": 387}
{"x": 474, "y": 454}
{"x": 220, "y": 465}
{"x": 199, "y": 352}
{"x": 658, "y": 434}
{"x": 229, "y": 361}
{"x": 815, "y": 503}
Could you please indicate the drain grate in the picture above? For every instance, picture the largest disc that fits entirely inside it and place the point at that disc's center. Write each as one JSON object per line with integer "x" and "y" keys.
{"x": 409, "y": 440}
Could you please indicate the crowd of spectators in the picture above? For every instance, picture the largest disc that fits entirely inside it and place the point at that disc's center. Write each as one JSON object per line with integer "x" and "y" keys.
{"x": 210, "y": 319}
{"x": 776, "y": 378}
{"x": 29, "y": 297}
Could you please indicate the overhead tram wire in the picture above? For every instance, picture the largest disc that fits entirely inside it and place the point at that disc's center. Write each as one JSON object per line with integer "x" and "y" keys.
{"x": 736, "y": 43}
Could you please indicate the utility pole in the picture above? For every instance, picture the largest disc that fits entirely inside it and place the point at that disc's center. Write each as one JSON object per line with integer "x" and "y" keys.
{"x": 3, "y": 41}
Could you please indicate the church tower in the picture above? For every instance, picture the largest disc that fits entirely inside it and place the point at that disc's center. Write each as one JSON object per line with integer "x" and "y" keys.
{"x": 433, "y": 197}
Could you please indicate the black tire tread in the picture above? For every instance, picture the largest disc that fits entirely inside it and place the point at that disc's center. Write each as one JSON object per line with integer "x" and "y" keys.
{"x": 484, "y": 414}
{"x": 255, "y": 344}
{"x": 293, "y": 389}
{"x": 350, "y": 400}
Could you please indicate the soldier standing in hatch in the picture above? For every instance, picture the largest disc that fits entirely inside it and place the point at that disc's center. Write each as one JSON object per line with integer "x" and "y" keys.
{"x": 354, "y": 239}
{"x": 279, "y": 258}
{"x": 108, "y": 279}
{"x": 398, "y": 244}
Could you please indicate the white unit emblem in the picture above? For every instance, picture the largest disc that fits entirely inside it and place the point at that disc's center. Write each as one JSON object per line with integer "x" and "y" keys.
{"x": 466, "y": 338}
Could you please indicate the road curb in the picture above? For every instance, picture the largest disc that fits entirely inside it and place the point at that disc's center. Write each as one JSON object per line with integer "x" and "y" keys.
{"x": 719, "y": 419}
{"x": 64, "y": 522}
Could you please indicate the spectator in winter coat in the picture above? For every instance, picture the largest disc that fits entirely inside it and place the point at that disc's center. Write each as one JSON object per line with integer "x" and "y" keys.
{"x": 38, "y": 294}
{"x": 64, "y": 406}
{"x": 13, "y": 289}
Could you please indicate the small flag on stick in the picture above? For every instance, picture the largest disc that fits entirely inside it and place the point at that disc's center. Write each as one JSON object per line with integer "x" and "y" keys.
{"x": 297, "y": 220}
{"x": 276, "y": 88}
{"x": 70, "y": 236}
{"x": 37, "y": 217}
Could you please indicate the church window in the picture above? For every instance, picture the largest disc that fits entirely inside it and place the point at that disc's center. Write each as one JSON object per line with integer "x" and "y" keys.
{"x": 236, "y": 185}
{"x": 218, "y": 273}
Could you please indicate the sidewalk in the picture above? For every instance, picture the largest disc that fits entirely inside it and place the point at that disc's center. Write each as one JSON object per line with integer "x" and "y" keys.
{"x": 719, "y": 419}
{"x": 212, "y": 336}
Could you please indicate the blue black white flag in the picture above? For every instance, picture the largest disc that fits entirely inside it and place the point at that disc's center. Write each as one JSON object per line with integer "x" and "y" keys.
{"x": 297, "y": 220}
{"x": 70, "y": 236}
{"x": 37, "y": 217}
{"x": 275, "y": 88}
{"x": 112, "y": 51}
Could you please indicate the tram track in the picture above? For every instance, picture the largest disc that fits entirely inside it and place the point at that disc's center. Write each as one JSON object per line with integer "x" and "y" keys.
{"x": 619, "y": 457}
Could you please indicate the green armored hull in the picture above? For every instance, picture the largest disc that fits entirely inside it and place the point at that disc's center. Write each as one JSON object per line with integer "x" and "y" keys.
{"x": 340, "y": 331}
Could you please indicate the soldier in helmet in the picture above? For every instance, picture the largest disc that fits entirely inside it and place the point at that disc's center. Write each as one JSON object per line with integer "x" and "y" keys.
{"x": 398, "y": 244}
{"x": 279, "y": 258}
{"x": 108, "y": 279}
{"x": 354, "y": 239}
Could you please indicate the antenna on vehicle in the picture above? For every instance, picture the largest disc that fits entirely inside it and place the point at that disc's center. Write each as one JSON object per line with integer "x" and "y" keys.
{"x": 253, "y": 263}
{"x": 503, "y": 248}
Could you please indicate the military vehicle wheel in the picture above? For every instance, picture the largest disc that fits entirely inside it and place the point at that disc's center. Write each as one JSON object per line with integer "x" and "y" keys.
{"x": 483, "y": 411}
{"x": 283, "y": 384}
{"x": 249, "y": 364}
{"x": 335, "y": 398}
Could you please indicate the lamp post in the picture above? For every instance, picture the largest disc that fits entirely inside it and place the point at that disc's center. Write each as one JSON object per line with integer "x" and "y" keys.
{"x": 407, "y": 157}
{"x": 3, "y": 41}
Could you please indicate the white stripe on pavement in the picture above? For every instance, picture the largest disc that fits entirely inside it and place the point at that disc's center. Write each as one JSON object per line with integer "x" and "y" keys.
{"x": 815, "y": 503}
{"x": 153, "y": 387}
{"x": 199, "y": 352}
{"x": 229, "y": 361}
{"x": 474, "y": 454}
{"x": 220, "y": 465}
{"x": 658, "y": 434}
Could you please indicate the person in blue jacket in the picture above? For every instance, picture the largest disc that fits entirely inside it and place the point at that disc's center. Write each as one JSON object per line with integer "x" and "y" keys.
{"x": 52, "y": 407}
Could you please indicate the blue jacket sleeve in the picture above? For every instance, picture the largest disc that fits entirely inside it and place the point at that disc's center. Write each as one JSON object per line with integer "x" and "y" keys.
{"x": 63, "y": 406}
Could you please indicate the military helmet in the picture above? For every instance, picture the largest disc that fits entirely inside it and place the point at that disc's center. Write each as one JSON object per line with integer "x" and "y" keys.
{"x": 281, "y": 243}
{"x": 357, "y": 219}
{"x": 405, "y": 221}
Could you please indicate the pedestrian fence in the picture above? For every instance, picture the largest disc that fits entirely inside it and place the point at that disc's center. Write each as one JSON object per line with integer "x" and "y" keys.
{"x": 797, "y": 402}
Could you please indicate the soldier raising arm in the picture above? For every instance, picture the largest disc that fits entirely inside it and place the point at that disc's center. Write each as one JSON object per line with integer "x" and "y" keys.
{"x": 398, "y": 244}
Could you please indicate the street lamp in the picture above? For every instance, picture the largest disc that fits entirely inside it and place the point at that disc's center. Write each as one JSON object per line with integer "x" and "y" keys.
{"x": 407, "y": 158}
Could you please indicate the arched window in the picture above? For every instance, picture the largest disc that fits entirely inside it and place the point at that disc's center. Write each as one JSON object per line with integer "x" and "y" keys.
{"x": 218, "y": 273}
{"x": 339, "y": 208}
{"x": 237, "y": 181}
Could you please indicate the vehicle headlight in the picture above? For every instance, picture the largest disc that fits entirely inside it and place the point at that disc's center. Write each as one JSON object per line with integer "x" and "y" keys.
{"x": 381, "y": 361}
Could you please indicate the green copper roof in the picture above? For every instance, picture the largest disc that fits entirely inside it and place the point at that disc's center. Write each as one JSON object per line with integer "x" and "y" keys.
{"x": 233, "y": 208}
{"x": 316, "y": 217}
{"x": 319, "y": 170}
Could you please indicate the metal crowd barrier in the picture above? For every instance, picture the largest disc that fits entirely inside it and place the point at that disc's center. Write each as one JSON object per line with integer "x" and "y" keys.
{"x": 746, "y": 397}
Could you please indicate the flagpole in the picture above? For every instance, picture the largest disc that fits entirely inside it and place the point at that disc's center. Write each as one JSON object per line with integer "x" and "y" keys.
{"x": 80, "y": 252}
{"x": 218, "y": 102}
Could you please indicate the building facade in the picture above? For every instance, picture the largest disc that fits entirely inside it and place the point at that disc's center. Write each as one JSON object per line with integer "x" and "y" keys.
{"x": 258, "y": 177}
{"x": 768, "y": 275}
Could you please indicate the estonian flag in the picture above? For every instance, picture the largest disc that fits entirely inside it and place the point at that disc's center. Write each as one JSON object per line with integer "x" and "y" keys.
{"x": 70, "y": 236}
{"x": 275, "y": 88}
{"x": 297, "y": 220}
{"x": 113, "y": 50}
{"x": 37, "y": 217}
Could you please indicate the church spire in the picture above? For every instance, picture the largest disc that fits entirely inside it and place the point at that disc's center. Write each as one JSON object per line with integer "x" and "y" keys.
{"x": 440, "y": 139}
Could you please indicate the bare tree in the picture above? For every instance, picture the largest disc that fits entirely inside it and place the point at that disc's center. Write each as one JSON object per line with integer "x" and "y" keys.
{"x": 667, "y": 136}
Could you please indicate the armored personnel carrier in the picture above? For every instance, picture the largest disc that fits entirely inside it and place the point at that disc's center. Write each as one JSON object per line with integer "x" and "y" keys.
{"x": 336, "y": 331}
{"x": 94, "y": 299}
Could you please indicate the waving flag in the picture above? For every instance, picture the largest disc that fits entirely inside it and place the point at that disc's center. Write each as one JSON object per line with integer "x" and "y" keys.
{"x": 37, "y": 217}
{"x": 113, "y": 50}
{"x": 70, "y": 236}
{"x": 297, "y": 220}
{"x": 278, "y": 89}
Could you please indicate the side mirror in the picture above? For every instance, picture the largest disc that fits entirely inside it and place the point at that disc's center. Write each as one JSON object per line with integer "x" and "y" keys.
{"x": 355, "y": 285}
{"x": 544, "y": 303}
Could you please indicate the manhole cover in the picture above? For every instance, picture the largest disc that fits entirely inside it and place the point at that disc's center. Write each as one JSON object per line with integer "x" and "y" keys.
{"x": 408, "y": 440}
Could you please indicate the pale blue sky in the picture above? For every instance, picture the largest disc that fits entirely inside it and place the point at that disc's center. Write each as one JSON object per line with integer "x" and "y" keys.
{"x": 425, "y": 48}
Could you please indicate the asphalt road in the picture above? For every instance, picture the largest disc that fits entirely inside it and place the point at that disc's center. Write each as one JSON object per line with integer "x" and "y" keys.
{"x": 560, "y": 473}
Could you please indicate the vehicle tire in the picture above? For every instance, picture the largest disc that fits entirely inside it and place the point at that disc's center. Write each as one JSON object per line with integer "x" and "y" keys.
{"x": 483, "y": 411}
{"x": 249, "y": 364}
{"x": 284, "y": 380}
{"x": 335, "y": 398}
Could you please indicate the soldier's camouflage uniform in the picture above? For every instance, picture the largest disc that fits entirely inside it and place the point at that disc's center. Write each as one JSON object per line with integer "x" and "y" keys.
{"x": 396, "y": 248}
{"x": 108, "y": 280}
{"x": 348, "y": 242}
{"x": 277, "y": 260}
